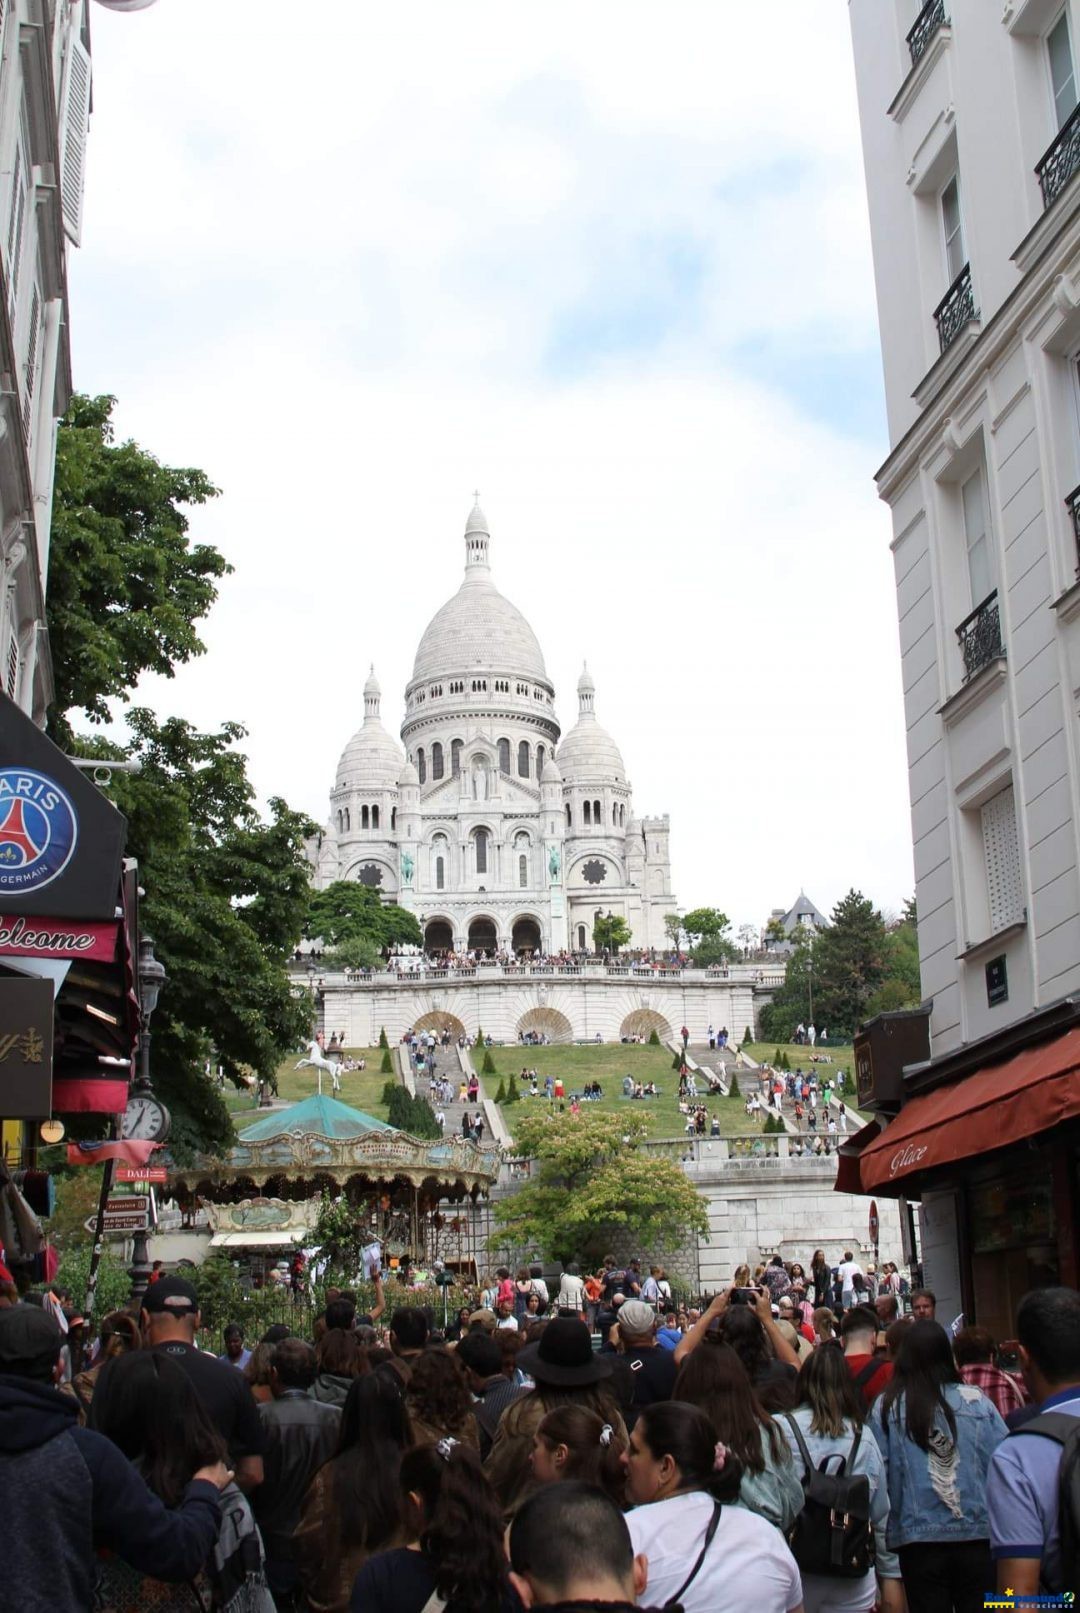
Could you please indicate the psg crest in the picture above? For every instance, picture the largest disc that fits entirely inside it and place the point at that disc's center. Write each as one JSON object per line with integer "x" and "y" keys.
{"x": 38, "y": 830}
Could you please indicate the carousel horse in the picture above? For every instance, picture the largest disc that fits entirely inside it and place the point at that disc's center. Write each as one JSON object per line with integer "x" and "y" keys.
{"x": 317, "y": 1060}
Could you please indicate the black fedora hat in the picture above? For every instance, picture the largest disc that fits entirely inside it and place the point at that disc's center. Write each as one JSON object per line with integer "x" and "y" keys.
{"x": 563, "y": 1355}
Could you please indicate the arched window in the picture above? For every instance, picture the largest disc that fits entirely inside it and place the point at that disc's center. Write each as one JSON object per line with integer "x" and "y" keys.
{"x": 581, "y": 937}
{"x": 374, "y": 817}
{"x": 615, "y": 816}
{"x": 569, "y": 816}
{"x": 481, "y": 838}
{"x": 523, "y": 759}
{"x": 393, "y": 817}
{"x": 348, "y": 820}
{"x": 588, "y": 813}
{"x": 622, "y": 816}
{"x": 440, "y": 873}
{"x": 421, "y": 765}
{"x": 436, "y": 760}
{"x": 523, "y": 871}
{"x": 455, "y": 756}
{"x": 596, "y": 813}
{"x": 539, "y": 760}
{"x": 340, "y": 822}
{"x": 363, "y": 817}
{"x": 504, "y": 756}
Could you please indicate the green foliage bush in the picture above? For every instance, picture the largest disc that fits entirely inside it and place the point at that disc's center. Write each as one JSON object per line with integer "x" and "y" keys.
{"x": 488, "y": 1066}
{"x": 733, "y": 1089}
{"x": 500, "y": 1096}
{"x": 512, "y": 1093}
{"x": 383, "y": 1042}
{"x": 747, "y": 1037}
{"x": 386, "y": 1066}
{"x": 414, "y": 1115}
{"x": 654, "y": 1038}
{"x": 676, "y": 1063}
{"x": 113, "y": 1282}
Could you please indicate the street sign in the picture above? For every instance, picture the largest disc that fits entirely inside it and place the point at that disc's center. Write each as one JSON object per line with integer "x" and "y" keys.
{"x": 874, "y": 1222}
{"x": 129, "y": 1212}
{"x": 156, "y": 1174}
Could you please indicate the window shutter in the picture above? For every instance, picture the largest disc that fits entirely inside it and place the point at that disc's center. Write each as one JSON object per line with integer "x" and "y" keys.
{"x": 30, "y": 372}
{"x": 75, "y": 121}
{"x": 11, "y": 671}
{"x": 15, "y": 225}
{"x": 1002, "y": 852}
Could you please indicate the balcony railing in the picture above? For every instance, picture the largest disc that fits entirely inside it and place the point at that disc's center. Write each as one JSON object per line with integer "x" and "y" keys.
{"x": 1072, "y": 504}
{"x": 980, "y": 636}
{"x": 930, "y": 19}
{"x": 1058, "y": 164}
{"x": 956, "y": 309}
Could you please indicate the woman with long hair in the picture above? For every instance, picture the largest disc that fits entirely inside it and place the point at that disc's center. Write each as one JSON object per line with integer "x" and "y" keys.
{"x": 147, "y": 1405}
{"x": 771, "y": 1363}
{"x": 706, "y": 1553}
{"x": 937, "y": 1436}
{"x": 119, "y": 1334}
{"x": 827, "y": 1423}
{"x": 715, "y": 1380}
{"x": 565, "y": 1371}
{"x": 353, "y": 1505}
{"x": 454, "y": 1533}
{"x": 821, "y": 1277}
{"x": 572, "y": 1442}
{"x": 340, "y": 1362}
{"x": 439, "y": 1401}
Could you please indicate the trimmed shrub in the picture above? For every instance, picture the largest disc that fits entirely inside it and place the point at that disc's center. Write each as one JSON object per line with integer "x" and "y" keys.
{"x": 388, "y": 1092}
{"x": 386, "y": 1067}
{"x": 747, "y": 1036}
{"x": 382, "y": 1038}
{"x": 500, "y": 1096}
{"x": 733, "y": 1089}
{"x": 676, "y": 1063}
{"x": 488, "y": 1066}
{"x": 512, "y": 1093}
{"x": 654, "y": 1039}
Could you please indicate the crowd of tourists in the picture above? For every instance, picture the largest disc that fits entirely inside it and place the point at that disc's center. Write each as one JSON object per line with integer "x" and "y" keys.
{"x": 795, "y": 1444}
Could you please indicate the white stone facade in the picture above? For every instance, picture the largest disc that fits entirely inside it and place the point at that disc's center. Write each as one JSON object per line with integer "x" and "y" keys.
{"x": 501, "y": 838}
{"x": 959, "y": 105}
{"x": 44, "y": 111}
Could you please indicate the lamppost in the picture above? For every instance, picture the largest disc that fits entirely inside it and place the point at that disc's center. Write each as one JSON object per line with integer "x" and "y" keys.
{"x": 151, "y": 979}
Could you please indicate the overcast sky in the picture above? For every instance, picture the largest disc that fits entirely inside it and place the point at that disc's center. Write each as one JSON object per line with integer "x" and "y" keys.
{"x": 608, "y": 263}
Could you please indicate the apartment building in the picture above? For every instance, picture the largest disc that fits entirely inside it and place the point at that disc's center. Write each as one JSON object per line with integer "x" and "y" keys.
{"x": 971, "y": 138}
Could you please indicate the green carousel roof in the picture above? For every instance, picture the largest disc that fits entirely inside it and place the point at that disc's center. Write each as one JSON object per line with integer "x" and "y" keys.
{"x": 318, "y": 1116}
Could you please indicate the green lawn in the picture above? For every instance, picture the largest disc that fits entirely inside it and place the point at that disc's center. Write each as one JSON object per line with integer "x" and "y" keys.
{"x": 608, "y": 1063}
{"x": 843, "y": 1058}
{"x": 360, "y": 1089}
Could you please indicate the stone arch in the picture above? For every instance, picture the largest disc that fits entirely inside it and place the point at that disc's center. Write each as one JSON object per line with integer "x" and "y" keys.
{"x": 483, "y": 934}
{"x": 438, "y": 935}
{"x": 547, "y": 1022}
{"x": 642, "y": 1022}
{"x": 437, "y": 1021}
{"x": 526, "y": 936}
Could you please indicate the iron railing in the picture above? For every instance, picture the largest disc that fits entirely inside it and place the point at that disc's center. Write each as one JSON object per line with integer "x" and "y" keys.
{"x": 1072, "y": 504}
{"x": 1060, "y": 161}
{"x": 956, "y": 309}
{"x": 930, "y": 19}
{"x": 980, "y": 636}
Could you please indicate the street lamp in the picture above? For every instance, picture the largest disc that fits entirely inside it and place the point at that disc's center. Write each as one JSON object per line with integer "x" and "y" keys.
{"x": 311, "y": 973}
{"x": 151, "y": 979}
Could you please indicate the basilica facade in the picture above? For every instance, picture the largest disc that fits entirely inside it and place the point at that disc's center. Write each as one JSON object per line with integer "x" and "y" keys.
{"x": 498, "y": 832}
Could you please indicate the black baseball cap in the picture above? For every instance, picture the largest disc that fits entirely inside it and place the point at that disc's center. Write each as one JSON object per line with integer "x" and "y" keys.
{"x": 30, "y": 1342}
{"x": 170, "y": 1296}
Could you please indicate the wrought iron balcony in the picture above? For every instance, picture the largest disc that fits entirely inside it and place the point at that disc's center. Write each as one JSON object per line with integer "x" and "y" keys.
{"x": 980, "y": 636}
{"x": 1058, "y": 164}
{"x": 956, "y": 309}
{"x": 1072, "y": 504}
{"x": 930, "y": 19}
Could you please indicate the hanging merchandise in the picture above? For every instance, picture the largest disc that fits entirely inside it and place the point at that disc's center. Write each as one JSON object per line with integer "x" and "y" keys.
{"x": 20, "y": 1230}
{"x": 126, "y": 5}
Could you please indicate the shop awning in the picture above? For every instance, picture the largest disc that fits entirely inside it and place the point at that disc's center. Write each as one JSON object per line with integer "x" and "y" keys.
{"x": 848, "y": 1178}
{"x": 1007, "y": 1103}
{"x": 257, "y": 1240}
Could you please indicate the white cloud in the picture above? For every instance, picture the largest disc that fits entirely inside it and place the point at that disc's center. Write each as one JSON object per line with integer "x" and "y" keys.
{"x": 355, "y": 261}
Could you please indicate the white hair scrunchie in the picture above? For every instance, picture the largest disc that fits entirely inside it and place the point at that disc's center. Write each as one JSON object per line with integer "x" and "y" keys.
{"x": 445, "y": 1447}
{"x": 606, "y": 1434}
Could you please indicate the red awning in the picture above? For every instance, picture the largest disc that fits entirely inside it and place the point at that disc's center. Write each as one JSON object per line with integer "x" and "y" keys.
{"x": 848, "y": 1178}
{"x": 1027, "y": 1095}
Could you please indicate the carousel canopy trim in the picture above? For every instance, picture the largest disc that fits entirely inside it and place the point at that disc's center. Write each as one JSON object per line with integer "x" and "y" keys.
{"x": 317, "y": 1116}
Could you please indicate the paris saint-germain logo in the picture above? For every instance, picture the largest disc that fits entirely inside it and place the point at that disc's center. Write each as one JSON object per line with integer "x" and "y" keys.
{"x": 38, "y": 830}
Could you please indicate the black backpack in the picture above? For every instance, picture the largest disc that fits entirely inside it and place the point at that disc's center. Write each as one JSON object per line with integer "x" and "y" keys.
{"x": 1065, "y": 1431}
{"x": 832, "y": 1535}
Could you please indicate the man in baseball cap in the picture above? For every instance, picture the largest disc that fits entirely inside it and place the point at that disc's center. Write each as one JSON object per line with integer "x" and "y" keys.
{"x": 68, "y": 1490}
{"x": 646, "y": 1367}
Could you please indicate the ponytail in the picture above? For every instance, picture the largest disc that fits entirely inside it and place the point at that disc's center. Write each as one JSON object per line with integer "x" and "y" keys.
{"x": 462, "y": 1534}
{"x": 683, "y": 1432}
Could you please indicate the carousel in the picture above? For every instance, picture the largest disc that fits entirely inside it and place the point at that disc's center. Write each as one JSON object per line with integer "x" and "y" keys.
{"x": 413, "y": 1197}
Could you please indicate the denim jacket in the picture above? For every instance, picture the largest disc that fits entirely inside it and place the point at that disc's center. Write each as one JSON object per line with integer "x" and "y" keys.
{"x": 868, "y": 1460}
{"x": 934, "y": 1497}
{"x": 776, "y": 1494}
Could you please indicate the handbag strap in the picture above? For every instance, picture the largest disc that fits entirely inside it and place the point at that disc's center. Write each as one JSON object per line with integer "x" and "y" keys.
{"x": 710, "y": 1533}
{"x": 800, "y": 1442}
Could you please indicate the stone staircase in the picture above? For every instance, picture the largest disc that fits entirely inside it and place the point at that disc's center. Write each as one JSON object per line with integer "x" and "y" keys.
{"x": 455, "y": 1064}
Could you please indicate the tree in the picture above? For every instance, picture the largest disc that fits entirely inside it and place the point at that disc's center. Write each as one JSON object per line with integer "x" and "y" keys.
{"x": 902, "y": 985}
{"x": 357, "y": 925}
{"x": 125, "y": 585}
{"x": 226, "y": 893}
{"x": 749, "y": 939}
{"x": 705, "y": 924}
{"x": 673, "y": 929}
{"x": 412, "y": 1114}
{"x": 592, "y": 1184}
{"x": 774, "y": 932}
{"x": 832, "y": 976}
{"x": 610, "y": 932}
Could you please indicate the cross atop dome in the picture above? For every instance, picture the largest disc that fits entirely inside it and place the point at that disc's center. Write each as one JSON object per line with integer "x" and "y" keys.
{"x": 372, "y": 695}
{"x": 477, "y": 538}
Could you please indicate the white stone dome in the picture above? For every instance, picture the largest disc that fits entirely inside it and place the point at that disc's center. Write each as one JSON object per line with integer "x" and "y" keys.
{"x": 372, "y": 760}
{"x": 551, "y": 773}
{"x": 478, "y": 629}
{"x": 588, "y": 754}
